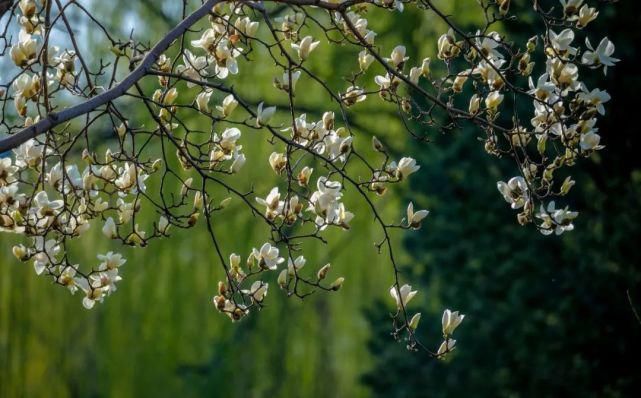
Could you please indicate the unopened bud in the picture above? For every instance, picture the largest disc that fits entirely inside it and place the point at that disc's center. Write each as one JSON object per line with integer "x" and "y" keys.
{"x": 322, "y": 273}
{"x": 414, "y": 321}
{"x": 224, "y": 202}
{"x": 20, "y": 252}
{"x": 222, "y": 288}
{"x": 377, "y": 145}
{"x": 282, "y": 279}
{"x": 337, "y": 283}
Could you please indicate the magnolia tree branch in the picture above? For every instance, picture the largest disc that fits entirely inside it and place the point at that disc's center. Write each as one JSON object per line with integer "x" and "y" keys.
{"x": 63, "y": 178}
{"x": 56, "y": 118}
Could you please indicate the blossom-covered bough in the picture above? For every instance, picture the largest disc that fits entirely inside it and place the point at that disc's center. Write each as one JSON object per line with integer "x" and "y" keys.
{"x": 60, "y": 175}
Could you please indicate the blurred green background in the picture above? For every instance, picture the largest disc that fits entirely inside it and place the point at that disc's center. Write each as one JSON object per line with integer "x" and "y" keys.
{"x": 546, "y": 316}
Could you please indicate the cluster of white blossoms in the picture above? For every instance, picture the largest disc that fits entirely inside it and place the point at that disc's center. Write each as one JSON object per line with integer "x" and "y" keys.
{"x": 56, "y": 186}
{"x": 565, "y": 111}
{"x": 64, "y": 207}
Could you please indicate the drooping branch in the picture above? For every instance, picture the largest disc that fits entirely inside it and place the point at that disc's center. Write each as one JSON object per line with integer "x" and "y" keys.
{"x": 56, "y": 118}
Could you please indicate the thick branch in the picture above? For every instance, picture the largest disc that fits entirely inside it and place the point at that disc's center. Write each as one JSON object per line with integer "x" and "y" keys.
{"x": 56, "y": 118}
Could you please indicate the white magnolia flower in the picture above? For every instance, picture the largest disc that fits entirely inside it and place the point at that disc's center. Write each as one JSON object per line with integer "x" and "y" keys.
{"x": 238, "y": 163}
{"x": 20, "y": 252}
{"x": 489, "y": 45}
{"x": 586, "y": 15}
{"x": 448, "y": 47}
{"x": 45, "y": 207}
{"x": 446, "y": 346}
{"x": 65, "y": 67}
{"x": 7, "y": 171}
{"x": 109, "y": 229}
{"x": 590, "y": 142}
{"x": 68, "y": 278}
{"x": 365, "y": 59}
{"x": 10, "y": 198}
{"x": 544, "y": 89}
{"x": 294, "y": 266}
{"x": 278, "y": 161}
{"x": 595, "y": 98}
{"x": 384, "y": 82}
{"x": 304, "y": 175}
{"x": 110, "y": 261}
{"x": 273, "y": 204}
{"x": 555, "y": 220}
{"x": 29, "y": 154}
{"x": 257, "y": 291}
{"x": 246, "y": 26}
{"x": 131, "y": 179}
{"x": 414, "y": 219}
{"x": 202, "y": 100}
{"x": 286, "y": 83}
{"x": 46, "y": 251}
{"x": 228, "y": 105}
{"x": 336, "y": 147}
{"x": 414, "y": 321}
{"x": 125, "y": 211}
{"x": 267, "y": 256}
{"x": 602, "y": 55}
{"x": 225, "y": 59}
{"x": 561, "y": 42}
{"x": 163, "y": 225}
{"x": 305, "y": 47}
{"x": 263, "y": 115}
{"x": 570, "y": 7}
{"x": 398, "y": 56}
{"x": 406, "y": 166}
{"x": 24, "y": 50}
{"x": 328, "y": 192}
{"x": 450, "y": 321}
{"x": 228, "y": 139}
{"x": 193, "y": 67}
{"x": 352, "y": 95}
{"x": 515, "y": 192}
{"x": 27, "y": 7}
{"x": 337, "y": 214}
{"x": 493, "y": 100}
{"x": 425, "y": 67}
{"x": 475, "y": 104}
{"x": 406, "y": 294}
{"x": 564, "y": 75}
{"x": 207, "y": 41}
{"x": 415, "y": 74}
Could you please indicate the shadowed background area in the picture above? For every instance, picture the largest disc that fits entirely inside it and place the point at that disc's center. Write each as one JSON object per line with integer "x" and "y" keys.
{"x": 546, "y": 316}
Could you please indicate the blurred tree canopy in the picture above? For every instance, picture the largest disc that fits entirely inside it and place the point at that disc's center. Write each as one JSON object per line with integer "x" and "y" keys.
{"x": 546, "y": 316}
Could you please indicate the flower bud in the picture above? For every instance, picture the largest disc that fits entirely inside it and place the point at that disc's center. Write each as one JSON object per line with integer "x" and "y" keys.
{"x": 322, "y": 273}
{"x": 414, "y": 321}
{"x": 475, "y": 104}
{"x": 223, "y": 203}
{"x": 20, "y": 252}
{"x": 222, "y": 288}
{"x": 198, "y": 201}
{"x": 186, "y": 186}
{"x": 377, "y": 145}
{"x": 278, "y": 162}
{"x": 121, "y": 130}
{"x": 337, "y": 283}
{"x": 282, "y": 279}
{"x": 567, "y": 185}
{"x": 303, "y": 176}
{"x": 328, "y": 120}
{"x": 193, "y": 219}
{"x": 163, "y": 225}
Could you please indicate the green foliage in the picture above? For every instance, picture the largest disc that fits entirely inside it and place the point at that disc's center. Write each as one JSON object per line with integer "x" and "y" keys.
{"x": 545, "y": 316}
